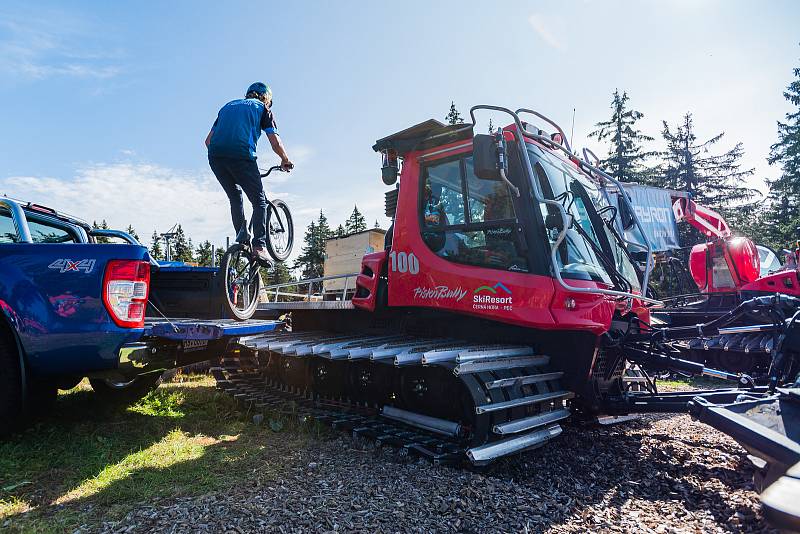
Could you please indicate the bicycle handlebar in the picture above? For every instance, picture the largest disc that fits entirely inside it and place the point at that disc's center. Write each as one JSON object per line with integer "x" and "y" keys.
{"x": 275, "y": 168}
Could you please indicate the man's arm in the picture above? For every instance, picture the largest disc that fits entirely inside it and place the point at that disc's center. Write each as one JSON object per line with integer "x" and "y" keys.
{"x": 277, "y": 147}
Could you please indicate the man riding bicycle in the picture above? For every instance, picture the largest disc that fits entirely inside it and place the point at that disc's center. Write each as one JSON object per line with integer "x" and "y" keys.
{"x": 232, "y": 156}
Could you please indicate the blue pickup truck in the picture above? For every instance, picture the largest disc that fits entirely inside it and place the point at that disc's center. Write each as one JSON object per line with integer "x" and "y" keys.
{"x": 73, "y": 307}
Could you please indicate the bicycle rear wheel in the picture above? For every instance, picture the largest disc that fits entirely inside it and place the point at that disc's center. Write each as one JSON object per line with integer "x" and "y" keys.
{"x": 280, "y": 231}
{"x": 241, "y": 281}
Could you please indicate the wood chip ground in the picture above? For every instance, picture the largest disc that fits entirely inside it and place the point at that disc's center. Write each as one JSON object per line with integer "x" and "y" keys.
{"x": 661, "y": 474}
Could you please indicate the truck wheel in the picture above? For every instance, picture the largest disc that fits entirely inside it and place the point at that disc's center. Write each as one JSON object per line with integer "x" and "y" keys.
{"x": 118, "y": 392}
{"x": 11, "y": 392}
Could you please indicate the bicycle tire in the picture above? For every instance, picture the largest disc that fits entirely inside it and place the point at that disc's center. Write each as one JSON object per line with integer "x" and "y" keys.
{"x": 240, "y": 285}
{"x": 279, "y": 243}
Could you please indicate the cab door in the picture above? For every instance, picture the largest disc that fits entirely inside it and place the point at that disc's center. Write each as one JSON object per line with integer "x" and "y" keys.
{"x": 459, "y": 245}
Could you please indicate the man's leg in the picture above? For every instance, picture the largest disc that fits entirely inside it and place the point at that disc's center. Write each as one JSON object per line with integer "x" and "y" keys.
{"x": 227, "y": 179}
{"x": 249, "y": 178}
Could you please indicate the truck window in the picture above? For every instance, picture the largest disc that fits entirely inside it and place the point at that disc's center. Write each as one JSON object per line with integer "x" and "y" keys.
{"x": 42, "y": 232}
{"x": 469, "y": 220}
{"x": 8, "y": 233}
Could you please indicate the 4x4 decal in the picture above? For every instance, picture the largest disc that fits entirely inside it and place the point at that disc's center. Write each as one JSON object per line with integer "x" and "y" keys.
{"x": 64, "y": 265}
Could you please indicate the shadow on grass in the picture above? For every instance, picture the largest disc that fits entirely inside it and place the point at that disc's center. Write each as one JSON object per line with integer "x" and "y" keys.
{"x": 85, "y": 460}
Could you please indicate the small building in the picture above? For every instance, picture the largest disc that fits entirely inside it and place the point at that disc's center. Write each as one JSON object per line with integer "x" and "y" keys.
{"x": 343, "y": 256}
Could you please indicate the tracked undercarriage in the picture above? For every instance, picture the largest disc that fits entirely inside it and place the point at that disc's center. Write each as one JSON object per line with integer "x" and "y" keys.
{"x": 442, "y": 398}
{"x": 730, "y": 349}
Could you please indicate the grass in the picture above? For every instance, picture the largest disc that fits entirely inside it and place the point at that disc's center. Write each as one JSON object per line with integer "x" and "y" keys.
{"x": 86, "y": 461}
{"x": 695, "y": 382}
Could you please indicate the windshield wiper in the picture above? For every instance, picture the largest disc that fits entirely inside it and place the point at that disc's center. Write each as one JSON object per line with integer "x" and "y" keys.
{"x": 607, "y": 264}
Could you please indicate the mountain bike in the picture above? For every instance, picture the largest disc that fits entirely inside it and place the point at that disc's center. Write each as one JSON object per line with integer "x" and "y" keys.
{"x": 241, "y": 269}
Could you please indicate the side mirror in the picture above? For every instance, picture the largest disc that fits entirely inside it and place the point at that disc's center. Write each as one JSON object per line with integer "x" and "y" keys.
{"x": 389, "y": 169}
{"x": 485, "y": 157}
{"x": 625, "y": 216}
{"x": 389, "y": 175}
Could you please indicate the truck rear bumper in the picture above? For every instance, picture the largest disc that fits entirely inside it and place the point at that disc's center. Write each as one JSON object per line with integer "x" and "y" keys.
{"x": 169, "y": 344}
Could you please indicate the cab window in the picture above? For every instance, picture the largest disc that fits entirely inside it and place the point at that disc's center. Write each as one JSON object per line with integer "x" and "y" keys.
{"x": 42, "y": 232}
{"x": 8, "y": 232}
{"x": 469, "y": 220}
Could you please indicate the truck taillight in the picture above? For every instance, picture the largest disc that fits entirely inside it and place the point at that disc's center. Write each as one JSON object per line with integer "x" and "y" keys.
{"x": 125, "y": 289}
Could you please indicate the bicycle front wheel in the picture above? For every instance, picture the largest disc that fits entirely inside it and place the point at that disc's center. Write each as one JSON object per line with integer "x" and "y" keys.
{"x": 280, "y": 231}
{"x": 241, "y": 281}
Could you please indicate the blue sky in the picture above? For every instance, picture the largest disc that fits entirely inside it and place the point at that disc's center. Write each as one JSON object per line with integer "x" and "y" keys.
{"x": 105, "y": 105}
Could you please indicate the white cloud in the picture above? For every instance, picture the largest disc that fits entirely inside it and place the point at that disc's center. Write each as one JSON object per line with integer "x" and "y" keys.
{"x": 41, "y": 46}
{"x": 542, "y": 27}
{"x": 149, "y": 197}
{"x": 153, "y": 197}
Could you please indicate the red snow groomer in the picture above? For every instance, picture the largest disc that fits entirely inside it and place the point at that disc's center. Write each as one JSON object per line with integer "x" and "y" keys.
{"x": 727, "y": 270}
{"x": 504, "y": 304}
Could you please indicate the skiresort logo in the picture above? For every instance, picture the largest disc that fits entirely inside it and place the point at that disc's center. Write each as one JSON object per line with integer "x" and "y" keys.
{"x": 493, "y": 290}
{"x": 501, "y": 297}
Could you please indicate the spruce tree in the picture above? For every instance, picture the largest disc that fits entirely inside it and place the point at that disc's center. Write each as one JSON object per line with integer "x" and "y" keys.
{"x": 626, "y": 156}
{"x": 203, "y": 254}
{"x": 377, "y": 224}
{"x": 220, "y": 252}
{"x": 782, "y": 220}
{"x": 323, "y": 229}
{"x": 716, "y": 181}
{"x": 453, "y": 116}
{"x": 356, "y": 222}
{"x": 155, "y": 247}
{"x": 279, "y": 274}
{"x": 309, "y": 260}
{"x": 312, "y": 256}
{"x": 182, "y": 247}
{"x": 340, "y": 231}
{"x": 132, "y": 232}
{"x": 102, "y": 226}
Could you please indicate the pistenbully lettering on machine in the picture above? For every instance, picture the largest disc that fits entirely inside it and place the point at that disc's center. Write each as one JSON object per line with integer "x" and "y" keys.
{"x": 439, "y": 293}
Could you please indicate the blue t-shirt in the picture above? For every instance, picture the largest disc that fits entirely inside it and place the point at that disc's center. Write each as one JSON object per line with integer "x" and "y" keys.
{"x": 238, "y": 127}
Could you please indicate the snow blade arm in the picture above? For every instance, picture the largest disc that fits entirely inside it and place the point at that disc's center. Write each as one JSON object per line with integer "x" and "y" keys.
{"x": 709, "y": 222}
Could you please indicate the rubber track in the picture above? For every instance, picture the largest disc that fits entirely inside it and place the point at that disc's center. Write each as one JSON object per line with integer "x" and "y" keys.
{"x": 245, "y": 374}
{"x": 257, "y": 395}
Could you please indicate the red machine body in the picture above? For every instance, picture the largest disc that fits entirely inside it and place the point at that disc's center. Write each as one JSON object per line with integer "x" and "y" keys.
{"x": 725, "y": 263}
{"x": 419, "y": 277}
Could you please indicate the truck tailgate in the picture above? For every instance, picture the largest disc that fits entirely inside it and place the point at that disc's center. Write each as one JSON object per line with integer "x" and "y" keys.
{"x": 199, "y": 330}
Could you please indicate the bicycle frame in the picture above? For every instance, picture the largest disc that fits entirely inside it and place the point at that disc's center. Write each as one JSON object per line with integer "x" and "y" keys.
{"x": 270, "y": 205}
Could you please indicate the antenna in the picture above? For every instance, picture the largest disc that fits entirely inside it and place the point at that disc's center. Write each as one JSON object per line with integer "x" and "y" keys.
{"x": 168, "y": 236}
{"x": 572, "y": 132}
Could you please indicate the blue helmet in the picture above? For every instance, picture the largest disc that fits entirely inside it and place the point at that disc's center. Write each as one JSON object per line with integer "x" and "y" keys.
{"x": 260, "y": 88}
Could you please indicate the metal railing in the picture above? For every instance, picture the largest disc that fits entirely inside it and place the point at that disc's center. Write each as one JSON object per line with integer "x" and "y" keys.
{"x": 275, "y": 289}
